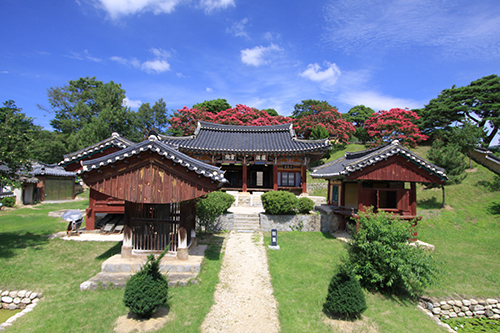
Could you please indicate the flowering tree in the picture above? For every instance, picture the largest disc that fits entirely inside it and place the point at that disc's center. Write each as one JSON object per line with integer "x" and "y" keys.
{"x": 184, "y": 121}
{"x": 338, "y": 128}
{"x": 395, "y": 124}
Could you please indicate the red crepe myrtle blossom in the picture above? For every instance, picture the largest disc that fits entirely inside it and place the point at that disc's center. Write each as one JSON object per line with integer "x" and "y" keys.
{"x": 395, "y": 124}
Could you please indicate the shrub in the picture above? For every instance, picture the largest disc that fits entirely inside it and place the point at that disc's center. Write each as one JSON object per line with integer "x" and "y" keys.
{"x": 345, "y": 297}
{"x": 305, "y": 205}
{"x": 279, "y": 202}
{"x": 211, "y": 206}
{"x": 382, "y": 259}
{"x": 9, "y": 201}
{"x": 147, "y": 289}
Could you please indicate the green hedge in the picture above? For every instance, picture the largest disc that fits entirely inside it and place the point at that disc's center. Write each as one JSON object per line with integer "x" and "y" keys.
{"x": 279, "y": 203}
{"x": 9, "y": 201}
{"x": 211, "y": 206}
{"x": 345, "y": 296}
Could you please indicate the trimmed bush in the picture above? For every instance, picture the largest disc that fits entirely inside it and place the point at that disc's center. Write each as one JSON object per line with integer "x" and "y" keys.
{"x": 305, "y": 205}
{"x": 147, "y": 290}
{"x": 211, "y": 206}
{"x": 279, "y": 203}
{"x": 382, "y": 259}
{"x": 345, "y": 297}
{"x": 9, "y": 201}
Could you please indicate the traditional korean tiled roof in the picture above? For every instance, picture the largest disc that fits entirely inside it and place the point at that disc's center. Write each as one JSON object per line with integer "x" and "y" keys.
{"x": 351, "y": 162}
{"x": 114, "y": 141}
{"x": 217, "y": 138}
{"x": 154, "y": 145}
{"x": 42, "y": 169}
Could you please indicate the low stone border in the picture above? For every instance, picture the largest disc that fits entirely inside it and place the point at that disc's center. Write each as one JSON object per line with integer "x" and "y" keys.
{"x": 13, "y": 300}
{"x": 464, "y": 308}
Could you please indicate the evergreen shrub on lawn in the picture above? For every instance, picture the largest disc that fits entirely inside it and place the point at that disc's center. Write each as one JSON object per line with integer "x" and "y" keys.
{"x": 279, "y": 202}
{"x": 382, "y": 259}
{"x": 211, "y": 206}
{"x": 9, "y": 201}
{"x": 305, "y": 205}
{"x": 345, "y": 297}
{"x": 147, "y": 290}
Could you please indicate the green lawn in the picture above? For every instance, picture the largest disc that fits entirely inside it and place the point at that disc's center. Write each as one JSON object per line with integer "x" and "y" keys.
{"x": 31, "y": 261}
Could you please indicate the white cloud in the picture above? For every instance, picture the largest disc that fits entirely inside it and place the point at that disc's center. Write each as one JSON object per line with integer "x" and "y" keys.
{"x": 377, "y": 101}
{"x": 4, "y": 72}
{"x": 209, "y": 89}
{"x": 238, "y": 28}
{"x": 456, "y": 27}
{"x": 132, "y": 103}
{"x": 158, "y": 65}
{"x": 329, "y": 76}
{"x": 212, "y": 5}
{"x": 84, "y": 56}
{"x": 256, "y": 56}
{"x": 118, "y": 8}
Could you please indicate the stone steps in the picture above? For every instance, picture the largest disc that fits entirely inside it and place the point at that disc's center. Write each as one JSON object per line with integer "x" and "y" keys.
{"x": 246, "y": 222}
{"x": 115, "y": 271}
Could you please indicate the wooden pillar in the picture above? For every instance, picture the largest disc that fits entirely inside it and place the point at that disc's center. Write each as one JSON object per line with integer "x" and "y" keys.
{"x": 90, "y": 216}
{"x": 275, "y": 177}
{"x": 360, "y": 197}
{"x": 244, "y": 187}
{"x": 342, "y": 204}
{"x": 413, "y": 199}
{"x": 304, "y": 179}
{"x": 329, "y": 192}
{"x": 127, "y": 245}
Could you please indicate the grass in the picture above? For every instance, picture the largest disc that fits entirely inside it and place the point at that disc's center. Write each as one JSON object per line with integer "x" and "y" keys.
{"x": 31, "y": 261}
{"x": 301, "y": 272}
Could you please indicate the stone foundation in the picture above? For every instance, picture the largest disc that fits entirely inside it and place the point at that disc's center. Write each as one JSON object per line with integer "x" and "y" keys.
{"x": 313, "y": 222}
{"x": 12, "y": 300}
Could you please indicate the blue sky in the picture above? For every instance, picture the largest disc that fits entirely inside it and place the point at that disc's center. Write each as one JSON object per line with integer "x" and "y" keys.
{"x": 262, "y": 53}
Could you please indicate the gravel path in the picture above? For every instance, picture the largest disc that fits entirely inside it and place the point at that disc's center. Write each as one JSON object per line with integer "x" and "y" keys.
{"x": 244, "y": 300}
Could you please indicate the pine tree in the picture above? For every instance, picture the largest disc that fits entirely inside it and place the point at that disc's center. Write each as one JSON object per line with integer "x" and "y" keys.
{"x": 449, "y": 157}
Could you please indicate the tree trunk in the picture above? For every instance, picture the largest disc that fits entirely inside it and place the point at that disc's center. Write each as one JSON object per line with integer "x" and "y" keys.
{"x": 442, "y": 206}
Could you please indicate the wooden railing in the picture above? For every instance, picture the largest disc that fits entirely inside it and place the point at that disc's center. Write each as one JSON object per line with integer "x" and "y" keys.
{"x": 151, "y": 236}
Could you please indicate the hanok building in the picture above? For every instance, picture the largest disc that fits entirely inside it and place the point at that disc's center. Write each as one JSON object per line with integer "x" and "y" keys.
{"x": 157, "y": 185}
{"x": 99, "y": 203}
{"x": 254, "y": 158}
{"x": 383, "y": 177}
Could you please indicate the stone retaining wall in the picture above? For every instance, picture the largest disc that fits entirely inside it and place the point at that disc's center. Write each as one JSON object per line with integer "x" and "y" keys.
{"x": 321, "y": 222}
{"x": 479, "y": 308}
{"x": 463, "y": 308}
{"x": 12, "y": 300}
{"x": 311, "y": 187}
{"x": 224, "y": 222}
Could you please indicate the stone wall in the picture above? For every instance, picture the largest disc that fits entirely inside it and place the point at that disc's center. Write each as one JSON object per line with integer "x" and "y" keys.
{"x": 489, "y": 308}
{"x": 224, "y": 222}
{"x": 311, "y": 187}
{"x": 311, "y": 222}
{"x": 463, "y": 308}
{"x": 12, "y": 300}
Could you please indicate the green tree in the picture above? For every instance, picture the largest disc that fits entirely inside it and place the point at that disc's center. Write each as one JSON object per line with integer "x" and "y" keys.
{"x": 271, "y": 112}
{"x": 48, "y": 147}
{"x": 15, "y": 141}
{"x": 381, "y": 258}
{"x": 310, "y": 107}
{"x": 89, "y": 111}
{"x": 147, "y": 118}
{"x": 478, "y": 103}
{"x": 449, "y": 157}
{"x": 213, "y": 106}
{"x": 357, "y": 115}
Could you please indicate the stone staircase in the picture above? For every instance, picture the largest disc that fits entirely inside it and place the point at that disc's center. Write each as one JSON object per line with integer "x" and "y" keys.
{"x": 116, "y": 270}
{"x": 246, "y": 222}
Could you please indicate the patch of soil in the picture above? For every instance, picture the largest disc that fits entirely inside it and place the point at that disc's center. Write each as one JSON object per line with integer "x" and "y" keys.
{"x": 448, "y": 207}
{"x": 471, "y": 170}
{"x": 133, "y": 323}
{"x": 352, "y": 326}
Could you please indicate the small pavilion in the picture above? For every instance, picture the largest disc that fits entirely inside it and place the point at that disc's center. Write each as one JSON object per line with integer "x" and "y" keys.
{"x": 383, "y": 177}
{"x": 157, "y": 186}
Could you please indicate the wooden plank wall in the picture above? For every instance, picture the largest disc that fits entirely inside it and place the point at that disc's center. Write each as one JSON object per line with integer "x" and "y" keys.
{"x": 149, "y": 179}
